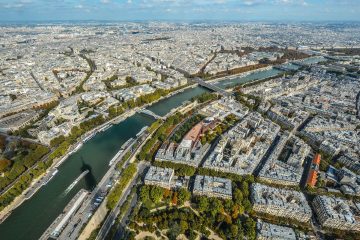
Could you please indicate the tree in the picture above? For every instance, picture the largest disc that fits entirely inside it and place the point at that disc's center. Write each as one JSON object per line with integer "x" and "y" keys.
{"x": 228, "y": 204}
{"x": 247, "y": 205}
{"x": 144, "y": 193}
{"x": 191, "y": 235}
{"x": 186, "y": 171}
{"x": 249, "y": 226}
{"x": 4, "y": 164}
{"x": 167, "y": 193}
{"x": 234, "y": 231}
{"x": 245, "y": 188}
{"x": 203, "y": 204}
{"x": 183, "y": 195}
{"x": 117, "y": 190}
{"x": 236, "y": 210}
{"x": 184, "y": 226}
{"x": 238, "y": 196}
{"x": 174, "y": 231}
{"x": 156, "y": 194}
{"x": 13, "y": 97}
{"x": 174, "y": 199}
{"x": 215, "y": 206}
{"x": 56, "y": 141}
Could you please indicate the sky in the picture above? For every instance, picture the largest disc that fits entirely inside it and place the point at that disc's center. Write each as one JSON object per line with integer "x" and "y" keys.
{"x": 180, "y": 10}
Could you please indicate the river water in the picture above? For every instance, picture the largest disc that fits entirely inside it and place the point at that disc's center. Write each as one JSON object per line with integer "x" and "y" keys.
{"x": 31, "y": 219}
{"x": 248, "y": 78}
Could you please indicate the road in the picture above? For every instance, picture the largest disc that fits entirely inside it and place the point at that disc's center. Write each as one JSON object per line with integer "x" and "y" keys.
{"x": 115, "y": 212}
{"x": 123, "y": 221}
{"x": 266, "y": 156}
{"x": 140, "y": 169}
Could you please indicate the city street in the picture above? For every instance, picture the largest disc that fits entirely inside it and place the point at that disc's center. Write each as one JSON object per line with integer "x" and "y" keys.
{"x": 115, "y": 212}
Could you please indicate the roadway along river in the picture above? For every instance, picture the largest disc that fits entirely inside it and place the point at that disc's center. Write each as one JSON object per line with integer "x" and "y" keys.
{"x": 31, "y": 219}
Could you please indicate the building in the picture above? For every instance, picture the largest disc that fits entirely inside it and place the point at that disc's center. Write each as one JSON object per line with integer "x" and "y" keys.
{"x": 223, "y": 107}
{"x": 241, "y": 149}
{"x": 351, "y": 162}
{"x": 212, "y": 187}
{"x": 159, "y": 177}
{"x": 287, "y": 171}
{"x": 190, "y": 151}
{"x": 313, "y": 172}
{"x": 336, "y": 213}
{"x": 280, "y": 202}
{"x": 17, "y": 121}
{"x": 268, "y": 231}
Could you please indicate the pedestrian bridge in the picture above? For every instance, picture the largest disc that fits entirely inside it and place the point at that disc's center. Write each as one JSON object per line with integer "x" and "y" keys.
{"x": 150, "y": 113}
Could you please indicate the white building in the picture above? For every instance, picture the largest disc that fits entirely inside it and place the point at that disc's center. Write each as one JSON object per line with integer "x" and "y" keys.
{"x": 280, "y": 202}
{"x": 336, "y": 213}
{"x": 159, "y": 177}
{"x": 212, "y": 186}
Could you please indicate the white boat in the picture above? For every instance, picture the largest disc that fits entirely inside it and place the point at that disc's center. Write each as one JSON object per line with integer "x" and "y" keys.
{"x": 78, "y": 147}
{"x": 127, "y": 143}
{"x": 89, "y": 137}
{"x": 115, "y": 157}
{"x": 141, "y": 131}
{"x": 76, "y": 181}
{"x": 50, "y": 177}
{"x": 106, "y": 127}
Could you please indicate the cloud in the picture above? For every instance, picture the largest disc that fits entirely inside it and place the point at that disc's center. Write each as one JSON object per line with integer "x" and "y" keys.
{"x": 16, "y": 4}
{"x": 291, "y": 2}
{"x": 180, "y": 9}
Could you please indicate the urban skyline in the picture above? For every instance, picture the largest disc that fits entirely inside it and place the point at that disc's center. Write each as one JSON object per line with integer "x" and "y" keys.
{"x": 179, "y": 119}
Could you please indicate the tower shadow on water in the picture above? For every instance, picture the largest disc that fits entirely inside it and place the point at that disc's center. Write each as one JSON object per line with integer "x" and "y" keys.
{"x": 89, "y": 178}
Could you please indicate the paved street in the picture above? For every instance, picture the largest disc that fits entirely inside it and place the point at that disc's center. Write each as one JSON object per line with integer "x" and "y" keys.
{"x": 124, "y": 220}
{"x": 115, "y": 212}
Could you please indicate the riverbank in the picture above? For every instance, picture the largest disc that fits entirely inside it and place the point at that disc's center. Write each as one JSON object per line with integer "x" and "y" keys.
{"x": 6, "y": 212}
{"x": 116, "y": 120}
{"x": 95, "y": 154}
{"x": 102, "y": 212}
{"x": 266, "y": 68}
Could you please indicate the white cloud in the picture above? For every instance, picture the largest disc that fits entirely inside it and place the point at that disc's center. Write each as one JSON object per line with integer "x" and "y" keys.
{"x": 291, "y": 2}
{"x": 16, "y": 5}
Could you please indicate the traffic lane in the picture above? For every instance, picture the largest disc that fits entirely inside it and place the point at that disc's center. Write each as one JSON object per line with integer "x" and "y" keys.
{"x": 110, "y": 220}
